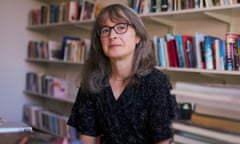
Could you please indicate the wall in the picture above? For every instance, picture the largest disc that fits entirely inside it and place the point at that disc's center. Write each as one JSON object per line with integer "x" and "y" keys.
{"x": 13, "y": 39}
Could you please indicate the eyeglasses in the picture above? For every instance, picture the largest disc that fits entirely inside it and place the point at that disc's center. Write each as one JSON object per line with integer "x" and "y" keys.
{"x": 119, "y": 28}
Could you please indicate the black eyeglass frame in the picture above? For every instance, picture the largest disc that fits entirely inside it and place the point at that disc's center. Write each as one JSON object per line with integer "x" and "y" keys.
{"x": 112, "y": 27}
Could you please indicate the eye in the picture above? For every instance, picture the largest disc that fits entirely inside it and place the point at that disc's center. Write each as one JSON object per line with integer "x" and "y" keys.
{"x": 121, "y": 27}
{"x": 105, "y": 30}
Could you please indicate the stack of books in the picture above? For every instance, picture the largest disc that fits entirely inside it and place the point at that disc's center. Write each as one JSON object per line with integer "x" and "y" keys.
{"x": 215, "y": 117}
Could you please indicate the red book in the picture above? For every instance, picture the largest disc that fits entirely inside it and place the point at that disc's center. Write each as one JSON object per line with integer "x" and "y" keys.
{"x": 172, "y": 53}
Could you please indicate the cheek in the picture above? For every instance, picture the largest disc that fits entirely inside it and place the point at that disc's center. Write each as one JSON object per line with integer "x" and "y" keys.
{"x": 104, "y": 45}
{"x": 131, "y": 41}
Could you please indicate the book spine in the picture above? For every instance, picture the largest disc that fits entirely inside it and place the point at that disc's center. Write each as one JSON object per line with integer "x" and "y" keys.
{"x": 180, "y": 53}
{"x": 231, "y": 44}
{"x": 208, "y": 44}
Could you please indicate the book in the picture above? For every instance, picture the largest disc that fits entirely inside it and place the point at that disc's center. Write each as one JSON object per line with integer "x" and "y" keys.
{"x": 187, "y": 42}
{"x": 187, "y": 126}
{"x": 198, "y": 43}
{"x": 88, "y": 10}
{"x": 161, "y": 46}
{"x": 60, "y": 88}
{"x": 208, "y": 46}
{"x": 72, "y": 13}
{"x": 214, "y": 100}
{"x": 64, "y": 43}
{"x": 222, "y": 89}
{"x": 225, "y": 96}
{"x": 54, "y": 50}
{"x": 172, "y": 53}
{"x": 189, "y": 138}
{"x": 180, "y": 50}
{"x": 63, "y": 11}
{"x": 219, "y": 112}
{"x": 232, "y": 51}
{"x": 219, "y": 54}
{"x": 14, "y": 126}
{"x": 214, "y": 122}
{"x": 155, "y": 48}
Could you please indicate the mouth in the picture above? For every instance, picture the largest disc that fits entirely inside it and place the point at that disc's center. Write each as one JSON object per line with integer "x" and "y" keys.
{"x": 114, "y": 45}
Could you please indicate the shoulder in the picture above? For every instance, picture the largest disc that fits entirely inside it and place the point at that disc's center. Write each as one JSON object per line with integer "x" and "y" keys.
{"x": 156, "y": 77}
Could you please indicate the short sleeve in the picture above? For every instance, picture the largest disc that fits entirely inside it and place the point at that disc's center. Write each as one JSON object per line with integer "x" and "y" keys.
{"x": 83, "y": 114}
{"x": 162, "y": 108}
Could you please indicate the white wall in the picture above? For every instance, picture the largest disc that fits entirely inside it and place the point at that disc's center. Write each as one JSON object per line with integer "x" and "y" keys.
{"x": 13, "y": 43}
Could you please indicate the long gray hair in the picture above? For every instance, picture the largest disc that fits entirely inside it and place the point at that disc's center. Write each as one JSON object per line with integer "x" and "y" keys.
{"x": 97, "y": 68}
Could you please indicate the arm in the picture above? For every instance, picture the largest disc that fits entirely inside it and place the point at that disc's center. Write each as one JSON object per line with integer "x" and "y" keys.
{"x": 164, "y": 141}
{"x": 88, "y": 139}
{"x": 161, "y": 109}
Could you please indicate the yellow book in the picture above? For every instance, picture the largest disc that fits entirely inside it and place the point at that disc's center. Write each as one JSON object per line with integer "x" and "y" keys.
{"x": 216, "y": 123}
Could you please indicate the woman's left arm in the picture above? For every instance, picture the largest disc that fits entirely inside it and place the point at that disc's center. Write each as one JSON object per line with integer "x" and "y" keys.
{"x": 167, "y": 141}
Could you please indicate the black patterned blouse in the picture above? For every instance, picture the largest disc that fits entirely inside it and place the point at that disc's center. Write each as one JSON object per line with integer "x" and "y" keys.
{"x": 141, "y": 115}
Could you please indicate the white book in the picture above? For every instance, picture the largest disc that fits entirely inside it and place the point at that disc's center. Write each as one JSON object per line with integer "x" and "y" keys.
{"x": 213, "y": 88}
{"x": 218, "y": 135}
{"x": 210, "y": 99}
{"x": 14, "y": 126}
{"x": 219, "y": 112}
{"x": 190, "y": 138}
{"x": 185, "y": 140}
{"x": 54, "y": 49}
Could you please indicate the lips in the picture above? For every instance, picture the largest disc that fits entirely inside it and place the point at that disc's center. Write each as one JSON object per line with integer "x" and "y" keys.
{"x": 114, "y": 45}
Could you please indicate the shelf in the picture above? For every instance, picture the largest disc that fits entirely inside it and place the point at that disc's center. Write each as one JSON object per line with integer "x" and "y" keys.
{"x": 71, "y": 101}
{"x": 201, "y": 71}
{"x": 220, "y": 13}
{"x": 64, "y": 26}
{"x": 52, "y": 61}
{"x": 169, "y": 18}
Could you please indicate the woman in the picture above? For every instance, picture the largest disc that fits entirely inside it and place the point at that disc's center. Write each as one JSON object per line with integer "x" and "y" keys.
{"x": 122, "y": 97}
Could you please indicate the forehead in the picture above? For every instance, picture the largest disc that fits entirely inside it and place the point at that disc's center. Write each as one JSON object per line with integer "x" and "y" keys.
{"x": 114, "y": 17}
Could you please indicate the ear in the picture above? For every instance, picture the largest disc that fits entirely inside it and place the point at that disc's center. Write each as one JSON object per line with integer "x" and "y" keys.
{"x": 137, "y": 40}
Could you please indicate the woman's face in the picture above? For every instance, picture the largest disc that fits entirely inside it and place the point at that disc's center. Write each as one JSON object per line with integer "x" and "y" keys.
{"x": 119, "y": 46}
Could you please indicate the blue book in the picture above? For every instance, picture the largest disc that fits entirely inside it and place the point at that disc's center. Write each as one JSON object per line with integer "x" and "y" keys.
{"x": 222, "y": 53}
{"x": 208, "y": 46}
{"x": 161, "y": 52}
{"x": 180, "y": 50}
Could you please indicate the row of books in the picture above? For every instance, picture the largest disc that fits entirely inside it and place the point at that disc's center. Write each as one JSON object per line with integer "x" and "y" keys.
{"x": 215, "y": 117}
{"x": 200, "y": 51}
{"x": 46, "y": 84}
{"x": 64, "y": 11}
{"x": 72, "y": 49}
{"x": 151, "y": 6}
{"x": 44, "y": 49}
{"x": 48, "y": 121}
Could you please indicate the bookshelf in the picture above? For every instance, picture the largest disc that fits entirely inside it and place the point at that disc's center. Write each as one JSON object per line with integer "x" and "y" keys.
{"x": 214, "y": 21}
